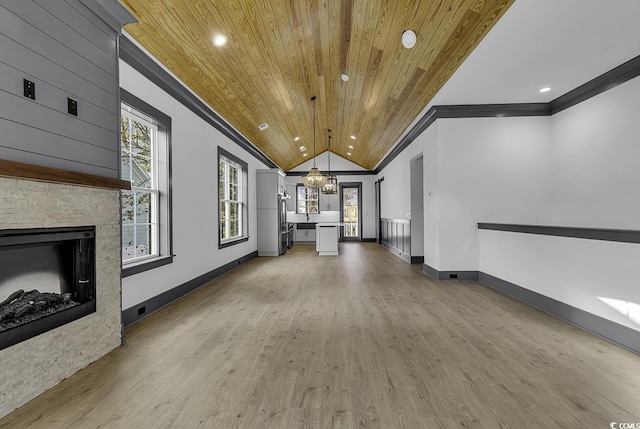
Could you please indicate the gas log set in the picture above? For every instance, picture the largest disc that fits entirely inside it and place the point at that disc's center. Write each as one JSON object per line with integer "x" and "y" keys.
{"x": 23, "y": 307}
{"x": 47, "y": 279}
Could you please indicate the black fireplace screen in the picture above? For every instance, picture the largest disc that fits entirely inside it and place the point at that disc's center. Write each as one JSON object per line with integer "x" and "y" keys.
{"x": 47, "y": 279}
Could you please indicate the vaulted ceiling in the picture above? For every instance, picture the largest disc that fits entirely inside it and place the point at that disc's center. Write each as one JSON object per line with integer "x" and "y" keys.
{"x": 280, "y": 53}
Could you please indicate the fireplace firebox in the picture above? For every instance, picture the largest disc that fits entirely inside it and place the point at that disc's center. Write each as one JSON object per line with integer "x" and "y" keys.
{"x": 47, "y": 279}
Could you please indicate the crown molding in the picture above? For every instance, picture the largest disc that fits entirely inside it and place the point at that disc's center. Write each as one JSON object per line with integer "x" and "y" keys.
{"x": 600, "y": 84}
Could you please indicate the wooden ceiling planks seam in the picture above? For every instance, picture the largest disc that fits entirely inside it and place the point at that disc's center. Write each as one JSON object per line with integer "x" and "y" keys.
{"x": 281, "y": 52}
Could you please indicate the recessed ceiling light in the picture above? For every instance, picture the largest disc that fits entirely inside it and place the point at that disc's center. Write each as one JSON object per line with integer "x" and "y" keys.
{"x": 296, "y": 139}
{"x": 263, "y": 127}
{"x": 304, "y": 154}
{"x": 545, "y": 89}
{"x": 350, "y": 147}
{"x": 349, "y": 153}
{"x": 302, "y": 148}
{"x": 344, "y": 77}
{"x": 219, "y": 40}
{"x": 408, "y": 39}
{"x": 353, "y": 137}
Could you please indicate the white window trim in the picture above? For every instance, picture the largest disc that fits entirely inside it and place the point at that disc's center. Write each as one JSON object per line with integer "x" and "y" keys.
{"x": 243, "y": 194}
{"x": 154, "y": 190}
{"x": 163, "y": 214}
{"x": 240, "y": 201}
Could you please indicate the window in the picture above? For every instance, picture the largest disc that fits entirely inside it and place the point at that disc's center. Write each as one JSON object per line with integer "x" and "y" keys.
{"x": 139, "y": 205}
{"x": 145, "y": 209}
{"x": 232, "y": 191}
{"x": 307, "y": 200}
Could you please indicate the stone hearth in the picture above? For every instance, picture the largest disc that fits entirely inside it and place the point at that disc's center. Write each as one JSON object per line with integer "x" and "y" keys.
{"x": 35, "y": 365}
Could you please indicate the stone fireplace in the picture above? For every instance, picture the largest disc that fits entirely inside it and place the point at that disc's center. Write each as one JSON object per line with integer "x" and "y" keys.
{"x": 47, "y": 279}
{"x": 34, "y": 208}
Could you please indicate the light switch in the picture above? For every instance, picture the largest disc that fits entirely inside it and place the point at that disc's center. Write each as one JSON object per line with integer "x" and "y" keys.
{"x": 29, "y": 89}
{"x": 72, "y": 106}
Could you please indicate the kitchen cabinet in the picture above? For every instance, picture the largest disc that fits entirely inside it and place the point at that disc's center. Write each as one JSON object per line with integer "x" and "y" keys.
{"x": 290, "y": 188}
{"x": 281, "y": 184}
{"x": 271, "y": 222}
{"x": 327, "y": 236}
{"x": 305, "y": 235}
{"x": 329, "y": 202}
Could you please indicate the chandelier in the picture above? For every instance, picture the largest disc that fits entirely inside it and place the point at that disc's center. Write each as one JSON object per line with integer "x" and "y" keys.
{"x": 331, "y": 185}
{"x": 314, "y": 179}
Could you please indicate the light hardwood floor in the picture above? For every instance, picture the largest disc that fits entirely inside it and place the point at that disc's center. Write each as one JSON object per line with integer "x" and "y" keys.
{"x": 362, "y": 340}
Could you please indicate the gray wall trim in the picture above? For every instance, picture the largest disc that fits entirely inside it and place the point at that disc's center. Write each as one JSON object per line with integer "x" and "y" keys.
{"x": 602, "y": 83}
{"x": 449, "y": 275}
{"x": 141, "y": 268}
{"x": 144, "y": 65}
{"x": 128, "y": 98}
{"x": 337, "y": 173}
{"x": 131, "y": 316}
{"x": 611, "y": 331}
{"x": 430, "y": 271}
{"x": 395, "y": 236}
{"x": 111, "y": 12}
{"x": 399, "y": 253}
{"x": 492, "y": 110}
{"x": 368, "y": 240}
{"x": 617, "y": 235}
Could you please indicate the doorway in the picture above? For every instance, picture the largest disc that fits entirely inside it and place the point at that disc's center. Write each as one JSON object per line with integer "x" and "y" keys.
{"x": 351, "y": 211}
{"x": 377, "y": 210}
{"x": 416, "y": 167}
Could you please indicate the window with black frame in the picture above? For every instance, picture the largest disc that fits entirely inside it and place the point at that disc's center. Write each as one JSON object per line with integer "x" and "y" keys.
{"x": 307, "y": 200}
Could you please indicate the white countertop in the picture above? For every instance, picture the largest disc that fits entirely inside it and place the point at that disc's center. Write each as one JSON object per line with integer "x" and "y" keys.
{"x": 329, "y": 224}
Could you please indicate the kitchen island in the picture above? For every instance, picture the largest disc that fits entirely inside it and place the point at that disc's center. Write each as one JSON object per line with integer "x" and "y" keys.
{"x": 327, "y": 236}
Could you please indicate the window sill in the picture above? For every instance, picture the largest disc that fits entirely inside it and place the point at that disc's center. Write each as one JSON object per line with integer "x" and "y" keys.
{"x": 232, "y": 243}
{"x": 132, "y": 269}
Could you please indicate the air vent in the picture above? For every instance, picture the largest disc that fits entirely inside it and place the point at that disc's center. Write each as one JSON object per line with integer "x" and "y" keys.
{"x": 263, "y": 127}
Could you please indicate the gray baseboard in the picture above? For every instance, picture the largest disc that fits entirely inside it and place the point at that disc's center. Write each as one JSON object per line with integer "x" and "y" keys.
{"x": 449, "y": 275}
{"x": 368, "y": 240}
{"x": 402, "y": 255}
{"x": 150, "y": 306}
{"x": 417, "y": 260}
{"x": 611, "y": 331}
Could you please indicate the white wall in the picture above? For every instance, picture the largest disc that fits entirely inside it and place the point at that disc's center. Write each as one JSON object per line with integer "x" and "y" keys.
{"x": 194, "y": 180}
{"x": 594, "y": 184}
{"x": 395, "y": 190}
{"x": 338, "y": 163}
{"x": 592, "y": 275}
{"x": 490, "y": 170}
{"x": 596, "y": 161}
{"x": 475, "y": 170}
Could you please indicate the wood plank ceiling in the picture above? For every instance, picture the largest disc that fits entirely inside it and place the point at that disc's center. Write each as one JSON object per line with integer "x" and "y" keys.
{"x": 280, "y": 53}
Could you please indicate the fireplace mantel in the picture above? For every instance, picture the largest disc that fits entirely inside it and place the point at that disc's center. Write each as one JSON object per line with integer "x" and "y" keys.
{"x": 20, "y": 170}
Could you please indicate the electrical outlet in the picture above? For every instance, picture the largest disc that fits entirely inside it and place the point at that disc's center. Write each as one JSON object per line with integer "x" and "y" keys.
{"x": 453, "y": 276}
{"x": 72, "y": 106}
{"x": 29, "y": 89}
{"x": 142, "y": 310}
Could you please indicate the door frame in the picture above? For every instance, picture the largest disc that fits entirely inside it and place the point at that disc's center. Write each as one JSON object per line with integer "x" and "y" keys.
{"x": 378, "y": 207}
{"x": 351, "y": 185}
